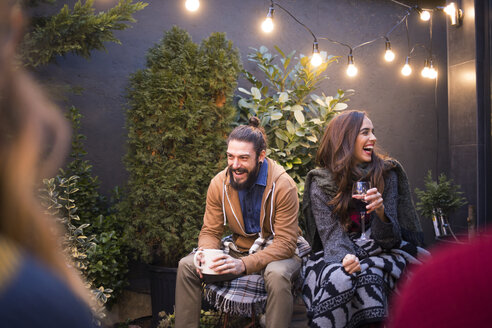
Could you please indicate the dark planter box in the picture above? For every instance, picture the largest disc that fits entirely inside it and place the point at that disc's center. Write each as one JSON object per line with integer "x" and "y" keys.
{"x": 162, "y": 290}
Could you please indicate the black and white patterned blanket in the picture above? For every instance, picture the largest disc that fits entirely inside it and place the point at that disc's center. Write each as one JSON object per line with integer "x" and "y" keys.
{"x": 336, "y": 299}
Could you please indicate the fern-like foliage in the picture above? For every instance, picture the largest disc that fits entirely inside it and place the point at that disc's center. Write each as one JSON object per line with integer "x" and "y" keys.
{"x": 443, "y": 194}
{"x": 79, "y": 31}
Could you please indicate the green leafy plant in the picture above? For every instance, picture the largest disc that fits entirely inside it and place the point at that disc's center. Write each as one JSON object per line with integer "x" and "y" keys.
{"x": 57, "y": 199}
{"x": 179, "y": 113}
{"x": 293, "y": 116}
{"x": 443, "y": 194}
{"x": 79, "y": 30}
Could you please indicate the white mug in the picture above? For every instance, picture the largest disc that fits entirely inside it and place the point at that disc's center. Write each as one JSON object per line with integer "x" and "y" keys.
{"x": 208, "y": 255}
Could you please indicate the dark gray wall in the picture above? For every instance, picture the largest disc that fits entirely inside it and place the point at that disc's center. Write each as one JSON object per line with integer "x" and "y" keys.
{"x": 469, "y": 109}
{"x": 409, "y": 114}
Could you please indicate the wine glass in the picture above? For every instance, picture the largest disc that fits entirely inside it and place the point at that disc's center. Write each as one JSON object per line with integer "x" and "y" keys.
{"x": 359, "y": 190}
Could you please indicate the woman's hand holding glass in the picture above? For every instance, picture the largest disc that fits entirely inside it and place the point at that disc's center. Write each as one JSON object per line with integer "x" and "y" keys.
{"x": 374, "y": 201}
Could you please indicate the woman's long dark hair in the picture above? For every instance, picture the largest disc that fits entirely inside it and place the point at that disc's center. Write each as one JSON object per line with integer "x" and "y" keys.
{"x": 336, "y": 153}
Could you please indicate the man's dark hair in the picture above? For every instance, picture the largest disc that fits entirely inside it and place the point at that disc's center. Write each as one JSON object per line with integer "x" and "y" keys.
{"x": 253, "y": 133}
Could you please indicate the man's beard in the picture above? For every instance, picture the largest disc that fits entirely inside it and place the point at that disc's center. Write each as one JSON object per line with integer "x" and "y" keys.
{"x": 249, "y": 181}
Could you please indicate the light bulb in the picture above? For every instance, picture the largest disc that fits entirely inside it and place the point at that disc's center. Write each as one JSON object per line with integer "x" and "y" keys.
{"x": 351, "y": 69}
{"x": 389, "y": 55}
{"x": 406, "y": 70}
{"x": 454, "y": 13}
{"x": 192, "y": 5}
{"x": 316, "y": 59}
{"x": 425, "y": 15}
{"x": 267, "y": 25}
{"x": 432, "y": 73}
{"x": 425, "y": 70}
{"x": 450, "y": 9}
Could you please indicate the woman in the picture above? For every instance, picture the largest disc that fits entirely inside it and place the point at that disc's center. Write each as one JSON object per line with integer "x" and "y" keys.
{"x": 37, "y": 287}
{"x": 347, "y": 281}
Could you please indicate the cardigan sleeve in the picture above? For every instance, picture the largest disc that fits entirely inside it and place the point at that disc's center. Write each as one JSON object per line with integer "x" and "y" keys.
{"x": 336, "y": 243}
{"x": 388, "y": 234}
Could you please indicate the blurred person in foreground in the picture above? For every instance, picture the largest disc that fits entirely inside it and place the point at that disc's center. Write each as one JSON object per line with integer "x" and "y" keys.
{"x": 451, "y": 290}
{"x": 37, "y": 286}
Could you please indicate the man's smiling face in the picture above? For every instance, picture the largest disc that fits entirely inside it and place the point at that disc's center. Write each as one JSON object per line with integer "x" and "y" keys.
{"x": 242, "y": 162}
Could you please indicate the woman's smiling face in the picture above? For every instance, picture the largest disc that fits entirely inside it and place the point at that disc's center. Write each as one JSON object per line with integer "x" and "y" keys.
{"x": 364, "y": 144}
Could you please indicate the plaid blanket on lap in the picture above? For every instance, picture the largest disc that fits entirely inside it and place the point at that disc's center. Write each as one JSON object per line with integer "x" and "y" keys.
{"x": 241, "y": 295}
{"x": 336, "y": 299}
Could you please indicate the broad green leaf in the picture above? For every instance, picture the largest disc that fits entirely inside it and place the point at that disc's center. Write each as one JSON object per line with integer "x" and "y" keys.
{"x": 320, "y": 102}
{"x": 276, "y": 115}
{"x": 312, "y": 138}
{"x": 299, "y": 116}
{"x": 297, "y": 107}
{"x": 296, "y": 160}
{"x": 281, "y": 135}
{"x": 256, "y": 93}
{"x": 244, "y": 103}
{"x": 283, "y": 97}
{"x": 288, "y": 165}
{"x": 300, "y": 133}
{"x": 280, "y": 143}
{"x": 290, "y": 127}
{"x": 244, "y": 91}
{"x": 340, "y": 106}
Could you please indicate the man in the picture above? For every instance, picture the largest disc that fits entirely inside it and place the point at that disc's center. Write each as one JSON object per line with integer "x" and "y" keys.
{"x": 256, "y": 198}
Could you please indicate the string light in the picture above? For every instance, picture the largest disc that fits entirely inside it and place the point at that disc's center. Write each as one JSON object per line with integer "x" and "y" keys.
{"x": 351, "y": 68}
{"x": 267, "y": 25}
{"x": 316, "y": 59}
{"x": 192, "y": 5}
{"x": 432, "y": 71}
{"x": 389, "y": 55}
{"x": 455, "y": 14}
{"x": 406, "y": 69}
{"x": 425, "y": 70}
{"x": 425, "y": 15}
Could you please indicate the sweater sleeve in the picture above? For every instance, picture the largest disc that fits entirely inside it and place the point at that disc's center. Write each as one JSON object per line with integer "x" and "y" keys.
{"x": 336, "y": 243}
{"x": 388, "y": 234}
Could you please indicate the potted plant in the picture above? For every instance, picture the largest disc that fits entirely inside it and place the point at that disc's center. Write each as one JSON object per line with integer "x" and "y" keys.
{"x": 179, "y": 113}
{"x": 438, "y": 200}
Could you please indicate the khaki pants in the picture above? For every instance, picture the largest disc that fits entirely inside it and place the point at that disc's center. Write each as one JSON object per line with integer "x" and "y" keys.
{"x": 278, "y": 276}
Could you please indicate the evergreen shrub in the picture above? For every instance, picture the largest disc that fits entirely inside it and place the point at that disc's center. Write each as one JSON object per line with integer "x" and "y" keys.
{"x": 179, "y": 114}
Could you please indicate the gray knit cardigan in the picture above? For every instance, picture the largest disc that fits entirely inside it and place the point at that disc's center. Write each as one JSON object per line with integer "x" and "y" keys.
{"x": 324, "y": 230}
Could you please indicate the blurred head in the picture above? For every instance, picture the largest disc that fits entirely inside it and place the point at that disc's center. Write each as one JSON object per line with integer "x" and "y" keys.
{"x": 34, "y": 138}
{"x": 246, "y": 150}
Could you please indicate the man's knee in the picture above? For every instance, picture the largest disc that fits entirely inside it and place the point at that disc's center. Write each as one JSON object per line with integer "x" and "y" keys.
{"x": 279, "y": 274}
{"x": 186, "y": 265}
